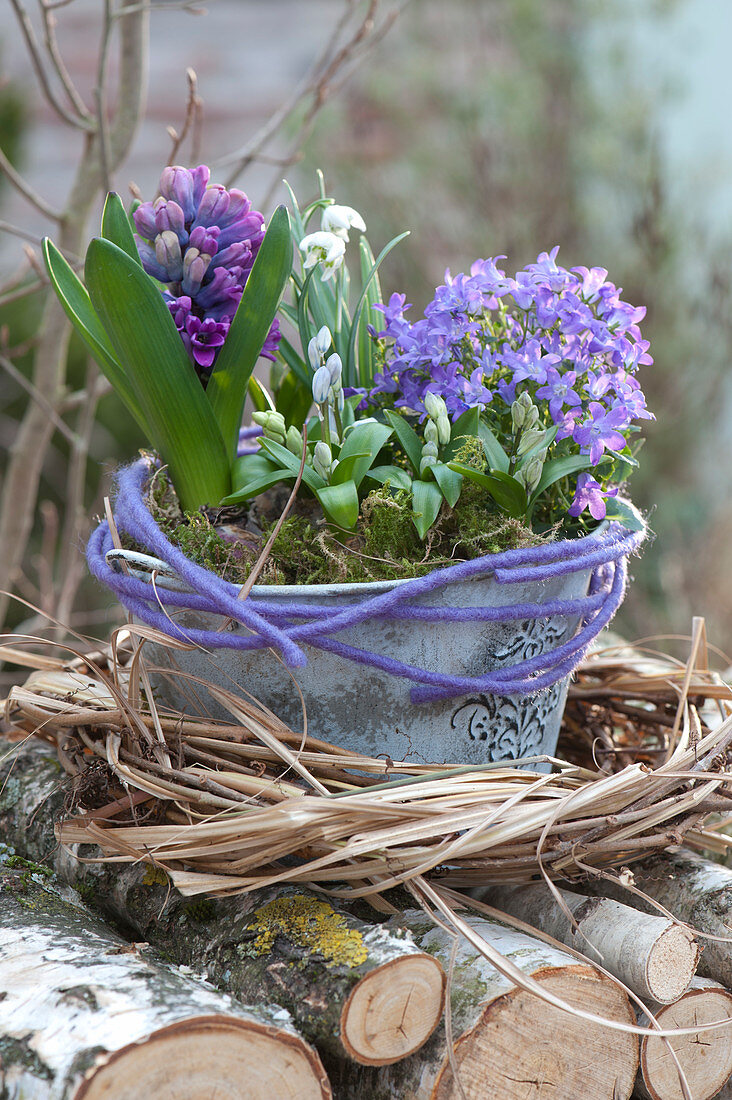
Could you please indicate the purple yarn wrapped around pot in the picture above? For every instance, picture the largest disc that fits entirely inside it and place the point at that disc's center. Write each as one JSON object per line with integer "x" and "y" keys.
{"x": 286, "y": 629}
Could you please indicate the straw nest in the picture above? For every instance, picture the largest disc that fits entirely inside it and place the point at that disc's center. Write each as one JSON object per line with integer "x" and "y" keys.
{"x": 230, "y": 807}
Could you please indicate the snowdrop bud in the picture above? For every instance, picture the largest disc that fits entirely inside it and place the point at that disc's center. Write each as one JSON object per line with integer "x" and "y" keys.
{"x": 529, "y": 438}
{"x": 314, "y": 353}
{"x": 434, "y": 405}
{"x": 321, "y": 385}
{"x": 444, "y": 429}
{"x": 322, "y": 459}
{"x": 323, "y": 340}
{"x": 334, "y": 365}
{"x": 293, "y": 441}
{"x": 340, "y": 399}
{"x": 431, "y": 432}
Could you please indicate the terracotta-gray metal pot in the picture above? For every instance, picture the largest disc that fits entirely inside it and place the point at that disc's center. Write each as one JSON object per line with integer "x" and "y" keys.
{"x": 369, "y": 711}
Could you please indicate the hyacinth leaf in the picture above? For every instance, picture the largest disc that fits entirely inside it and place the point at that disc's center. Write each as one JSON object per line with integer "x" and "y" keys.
{"x": 260, "y": 396}
{"x": 624, "y": 513}
{"x": 465, "y": 427}
{"x": 350, "y": 358}
{"x": 340, "y": 504}
{"x": 143, "y": 334}
{"x": 344, "y": 470}
{"x": 494, "y": 452}
{"x": 116, "y": 226}
{"x": 77, "y": 306}
{"x": 426, "y": 504}
{"x": 248, "y": 467}
{"x": 294, "y": 400}
{"x": 408, "y": 438}
{"x": 364, "y": 440}
{"x": 450, "y": 482}
{"x": 298, "y": 227}
{"x": 395, "y": 476}
{"x": 507, "y": 492}
{"x": 289, "y": 462}
{"x": 227, "y": 387}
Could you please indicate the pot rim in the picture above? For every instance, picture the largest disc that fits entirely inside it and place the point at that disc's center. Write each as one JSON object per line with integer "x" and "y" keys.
{"x": 142, "y": 566}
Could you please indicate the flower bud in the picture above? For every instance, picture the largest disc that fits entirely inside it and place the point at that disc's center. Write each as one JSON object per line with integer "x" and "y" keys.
{"x": 339, "y": 219}
{"x": 314, "y": 356}
{"x": 429, "y": 450}
{"x": 530, "y": 474}
{"x": 529, "y": 438}
{"x": 321, "y": 385}
{"x": 425, "y": 462}
{"x": 322, "y": 459}
{"x": 520, "y": 411}
{"x": 444, "y": 429}
{"x": 323, "y": 340}
{"x": 293, "y": 441}
{"x": 431, "y": 432}
{"x": 334, "y": 366}
{"x": 169, "y": 255}
{"x": 434, "y": 405}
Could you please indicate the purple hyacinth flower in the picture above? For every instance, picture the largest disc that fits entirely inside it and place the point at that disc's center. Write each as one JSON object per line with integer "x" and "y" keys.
{"x": 590, "y": 494}
{"x": 206, "y": 338}
{"x": 185, "y": 186}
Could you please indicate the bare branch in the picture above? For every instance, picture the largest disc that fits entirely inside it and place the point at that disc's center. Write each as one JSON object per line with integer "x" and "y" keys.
{"x": 37, "y": 60}
{"x": 22, "y": 292}
{"x": 10, "y": 368}
{"x": 192, "y": 116}
{"x": 100, "y": 96}
{"x": 25, "y": 189}
{"x": 49, "y": 33}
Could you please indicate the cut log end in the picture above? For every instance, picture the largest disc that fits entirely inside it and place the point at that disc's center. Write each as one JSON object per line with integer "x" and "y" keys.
{"x": 706, "y": 1058}
{"x": 393, "y": 1010}
{"x": 523, "y": 1047}
{"x": 671, "y": 964}
{"x": 210, "y": 1056}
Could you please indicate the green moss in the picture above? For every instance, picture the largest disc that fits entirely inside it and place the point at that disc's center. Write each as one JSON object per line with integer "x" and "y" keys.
{"x": 201, "y": 910}
{"x": 384, "y": 546}
{"x": 154, "y": 876}
{"x": 17, "y": 862}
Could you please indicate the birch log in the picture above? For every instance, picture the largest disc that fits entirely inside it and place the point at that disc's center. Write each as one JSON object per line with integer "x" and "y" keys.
{"x": 706, "y": 1058}
{"x": 652, "y": 955}
{"x": 508, "y": 1044}
{"x": 697, "y": 892}
{"x": 357, "y": 989}
{"x": 85, "y": 1015}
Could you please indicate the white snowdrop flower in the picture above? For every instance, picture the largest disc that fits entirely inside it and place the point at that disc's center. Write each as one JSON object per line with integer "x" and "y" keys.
{"x": 321, "y": 385}
{"x": 334, "y": 365}
{"x": 339, "y": 219}
{"x": 325, "y": 249}
{"x": 323, "y": 340}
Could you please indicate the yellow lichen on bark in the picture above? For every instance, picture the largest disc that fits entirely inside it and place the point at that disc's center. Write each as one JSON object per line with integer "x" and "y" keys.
{"x": 312, "y": 925}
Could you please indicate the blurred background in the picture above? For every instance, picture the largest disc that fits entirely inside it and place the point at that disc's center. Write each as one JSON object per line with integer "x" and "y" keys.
{"x": 486, "y": 127}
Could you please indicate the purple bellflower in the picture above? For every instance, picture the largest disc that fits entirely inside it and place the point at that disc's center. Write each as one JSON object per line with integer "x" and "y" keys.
{"x": 200, "y": 241}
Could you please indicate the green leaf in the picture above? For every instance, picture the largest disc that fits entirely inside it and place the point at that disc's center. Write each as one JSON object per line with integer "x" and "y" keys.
{"x": 288, "y": 461}
{"x": 408, "y": 438}
{"x": 77, "y": 306}
{"x": 227, "y": 386}
{"x": 260, "y": 396}
{"x": 508, "y": 493}
{"x": 450, "y": 482}
{"x": 144, "y": 337}
{"x": 546, "y": 440}
{"x": 465, "y": 427}
{"x": 249, "y": 468}
{"x": 350, "y": 358}
{"x": 344, "y": 469}
{"x": 340, "y": 504}
{"x": 366, "y": 355}
{"x": 558, "y": 468}
{"x": 254, "y": 488}
{"x": 295, "y": 363}
{"x": 294, "y": 400}
{"x": 116, "y": 226}
{"x": 426, "y": 504}
{"x": 394, "y": 475}
{"x": 298, "y": 227}
{"x": 366, "y": 440}
{"x": 624, "y": 513}
{"x": 494, "y": 452}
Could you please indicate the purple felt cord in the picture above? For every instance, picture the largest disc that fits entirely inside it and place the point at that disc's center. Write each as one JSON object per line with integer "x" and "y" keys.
{"x": 275, "y": 623}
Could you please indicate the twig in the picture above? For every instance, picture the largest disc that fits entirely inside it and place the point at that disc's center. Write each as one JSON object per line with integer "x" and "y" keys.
{"x": 26, "y": 26}
{"x": 193, "y": 111}
{"x": 49, "y": 30}
{"x": 10, "y": 368}
{"x": 22, "y": 292}
{"x": 100, "y": 97}
{"x": 29, "y": 194}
